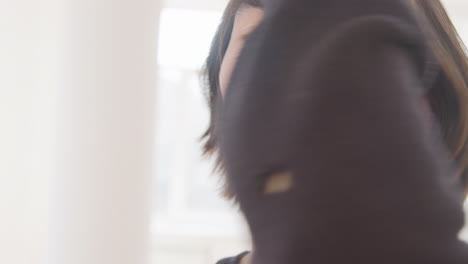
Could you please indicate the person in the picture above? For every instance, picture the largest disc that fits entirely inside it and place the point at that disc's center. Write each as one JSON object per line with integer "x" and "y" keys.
{"x": 341, "y": 127}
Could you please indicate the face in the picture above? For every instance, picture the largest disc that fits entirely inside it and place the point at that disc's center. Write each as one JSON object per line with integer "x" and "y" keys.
{"x": 247, "y": 18}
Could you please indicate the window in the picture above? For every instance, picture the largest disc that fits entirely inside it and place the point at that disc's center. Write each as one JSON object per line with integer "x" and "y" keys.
{"x": 192, "y": 224}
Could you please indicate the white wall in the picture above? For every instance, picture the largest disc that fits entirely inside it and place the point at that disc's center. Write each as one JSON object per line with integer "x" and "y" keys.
{"x": 105, "y": 133}
{"x": 23, "y": 192}
{"x": 34, "y": 38}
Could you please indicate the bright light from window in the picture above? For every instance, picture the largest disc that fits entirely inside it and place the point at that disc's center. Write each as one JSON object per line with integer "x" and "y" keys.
{"x": 185, "y": 37}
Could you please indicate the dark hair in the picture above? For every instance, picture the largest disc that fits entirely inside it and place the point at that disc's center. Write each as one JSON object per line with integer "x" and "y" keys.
{"x": 211, "y": 71}
{"x": 449, "y": 103}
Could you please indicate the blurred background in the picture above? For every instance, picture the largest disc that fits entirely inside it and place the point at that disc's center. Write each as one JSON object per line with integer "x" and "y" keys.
{"x": 58, "y": 126}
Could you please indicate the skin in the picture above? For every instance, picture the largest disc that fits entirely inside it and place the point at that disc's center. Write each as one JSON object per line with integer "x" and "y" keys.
{"x": 246, "y": 259}
{"x": 247, "y": 18}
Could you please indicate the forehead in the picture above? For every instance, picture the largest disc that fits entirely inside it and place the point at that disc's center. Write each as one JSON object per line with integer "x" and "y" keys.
{"x": 248, "y": 16}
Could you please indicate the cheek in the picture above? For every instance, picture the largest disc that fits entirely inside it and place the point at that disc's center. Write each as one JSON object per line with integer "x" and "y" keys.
{"x": 227, "y": 66}
{"x": 224, "y": 76}
{"x": 225, "y": 72}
